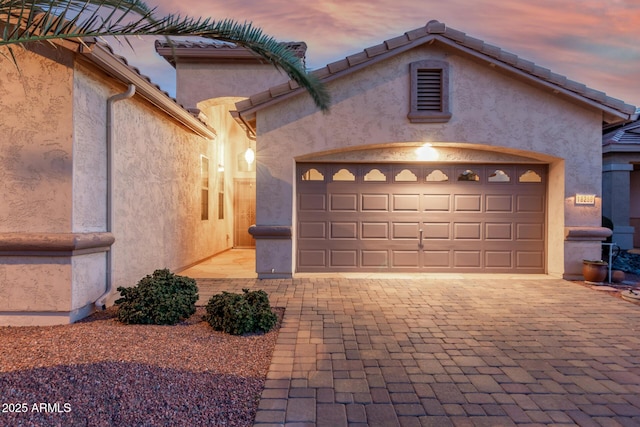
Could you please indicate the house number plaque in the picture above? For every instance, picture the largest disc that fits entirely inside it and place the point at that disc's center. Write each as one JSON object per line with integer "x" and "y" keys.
{"x": 585, "y": 199}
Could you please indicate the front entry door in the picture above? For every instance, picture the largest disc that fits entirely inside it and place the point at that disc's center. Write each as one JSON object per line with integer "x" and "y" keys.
{"x": 244, "y": 211}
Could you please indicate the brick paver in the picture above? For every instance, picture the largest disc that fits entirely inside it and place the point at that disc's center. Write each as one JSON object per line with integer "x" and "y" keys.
{"x": 430, "y": 351}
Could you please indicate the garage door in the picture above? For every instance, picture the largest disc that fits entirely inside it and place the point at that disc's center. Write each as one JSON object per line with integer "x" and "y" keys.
{"x": 422, "y": 218}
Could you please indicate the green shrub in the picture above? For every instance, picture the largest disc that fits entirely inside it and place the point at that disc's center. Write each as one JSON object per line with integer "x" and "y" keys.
{"x": 160, "y": 299}
{"x": 238, "y": 314}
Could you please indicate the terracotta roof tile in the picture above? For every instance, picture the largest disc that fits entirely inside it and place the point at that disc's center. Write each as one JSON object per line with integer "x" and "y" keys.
{"x": 525, "y": 65}
{"x": 435, "y": 27}
{"x": 474, "y": 43}
{"x": 279, "y": 89}
{"x": 628, "y": 134}
{"x": 455, "y": 35}
{"x": 260, "y": 97}
{"x": 338, "y": 66}
{"x": 376, "y": 50}
{"x": 358, "y": 58}
{"x": 417, "y": 33}
{"x": 508, "y": 57}
{"x": 322, "y": 73}
{"x": 397, "y": 42}
{"x": 299, "y": 48}
{"x": 435, "y": 30}
{"x": 543, "y": 73}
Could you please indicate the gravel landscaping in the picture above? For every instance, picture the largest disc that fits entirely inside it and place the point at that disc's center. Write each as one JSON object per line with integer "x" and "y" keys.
{"x": 100, "y": 372}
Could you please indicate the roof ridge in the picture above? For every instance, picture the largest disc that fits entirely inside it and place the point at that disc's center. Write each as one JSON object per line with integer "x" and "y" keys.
{"x": 435, "y": 30}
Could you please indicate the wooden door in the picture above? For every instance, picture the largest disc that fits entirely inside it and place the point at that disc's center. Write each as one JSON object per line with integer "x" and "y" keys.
{"x": 244, "y": 205}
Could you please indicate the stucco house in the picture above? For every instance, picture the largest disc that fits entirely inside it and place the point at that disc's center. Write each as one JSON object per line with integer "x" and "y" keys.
{"x": 103, "y": 179}
{"x": 621, "y": 183}
{"x": 441, "y": 153}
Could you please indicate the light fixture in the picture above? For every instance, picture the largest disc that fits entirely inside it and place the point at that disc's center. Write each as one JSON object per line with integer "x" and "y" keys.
{"x": 249, "y": 156}
{"x": 427, "y": 152}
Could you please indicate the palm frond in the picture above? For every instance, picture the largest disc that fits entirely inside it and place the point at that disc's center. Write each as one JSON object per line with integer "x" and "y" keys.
{"x": 41, "y": 20}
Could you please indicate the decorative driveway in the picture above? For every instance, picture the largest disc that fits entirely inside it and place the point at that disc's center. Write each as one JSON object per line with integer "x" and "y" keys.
{"x": 429, "y": 351}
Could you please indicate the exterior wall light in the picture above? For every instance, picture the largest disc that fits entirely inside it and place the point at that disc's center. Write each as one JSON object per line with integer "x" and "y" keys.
{"x": 427, "y": 152}
{"x": 249, "y": 156}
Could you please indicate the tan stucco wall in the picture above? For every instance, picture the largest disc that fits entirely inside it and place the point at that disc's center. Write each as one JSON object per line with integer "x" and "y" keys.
{"x": 156, "y": 187}
{"x": 488, "y": 109}
{"x": 53, "y": 181}
{"x": 196, "y": 82}
{"x": 36, "y": 150}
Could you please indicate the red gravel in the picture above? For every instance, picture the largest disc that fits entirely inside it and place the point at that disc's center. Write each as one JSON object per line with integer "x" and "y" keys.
{"x": 100, "y": 372}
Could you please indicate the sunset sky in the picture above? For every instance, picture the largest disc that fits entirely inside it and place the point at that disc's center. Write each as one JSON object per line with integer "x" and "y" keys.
{"x": 595, "y": 42}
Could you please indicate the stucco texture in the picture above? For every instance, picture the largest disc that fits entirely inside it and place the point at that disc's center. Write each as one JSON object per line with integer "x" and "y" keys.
{"x": 36, "y": 150}
{"x": 53, "y": 181}
{"x": 156, "y": 185}
{"x": 221, "y": 80}
{"x": 491, "y": 111}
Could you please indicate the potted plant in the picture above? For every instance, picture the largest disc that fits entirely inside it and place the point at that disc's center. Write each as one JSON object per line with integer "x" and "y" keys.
{"x": 594, "y": 270}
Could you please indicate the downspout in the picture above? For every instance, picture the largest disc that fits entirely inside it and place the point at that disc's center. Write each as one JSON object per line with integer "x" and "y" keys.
{"x": 102, "y": 300}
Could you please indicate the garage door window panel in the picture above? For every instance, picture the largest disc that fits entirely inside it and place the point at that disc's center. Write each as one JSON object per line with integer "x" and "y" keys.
{"x": 530, "y": 176}
{"x": 312, "y": 174}
{"x": 375, "y": 175}
{"x": 437, "y": 175}
{"x": 406, "y": 175}
{"x": 499, "y": 175}
{"x": 344, "y": 174}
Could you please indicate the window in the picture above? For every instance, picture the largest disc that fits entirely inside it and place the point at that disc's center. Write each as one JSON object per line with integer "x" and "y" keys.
{"x": 375, "y": 175}
{"x": 313, "y": 174}
{"x": 204, "y": 192}
{"x": 221, "y": 193}
{"x": 469, "y": 175}
{"x": 344, "y": 175}
{"x": 530, "y": 176}
{"x": 437, "y": 176}
{"x": 499, "y": 176}
{"x": 429, "y": 92}
{"x": 405, "y": 175}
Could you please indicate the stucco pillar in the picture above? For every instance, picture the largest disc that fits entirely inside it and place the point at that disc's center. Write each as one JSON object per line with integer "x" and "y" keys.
{"x": 582, "y": 243}
{"x": 616, "y": 190}
{"x": 273, "y": 251}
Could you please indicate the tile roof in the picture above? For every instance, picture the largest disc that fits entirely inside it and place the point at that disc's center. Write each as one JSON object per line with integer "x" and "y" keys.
{"x": 626, "y": 135}
{"x": 437, "y": 31}
{"x": 215, "y": 49}
{"x": 103, "y": 56}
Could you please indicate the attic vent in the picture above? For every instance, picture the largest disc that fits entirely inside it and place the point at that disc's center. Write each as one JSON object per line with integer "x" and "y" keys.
{"x": 429, "y": 92}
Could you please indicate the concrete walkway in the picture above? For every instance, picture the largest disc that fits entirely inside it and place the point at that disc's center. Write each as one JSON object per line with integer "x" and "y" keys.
{"x": 448, "y": 352}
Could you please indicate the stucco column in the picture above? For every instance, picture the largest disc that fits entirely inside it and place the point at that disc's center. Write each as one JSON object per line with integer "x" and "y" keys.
{"x": 616, "y": 190}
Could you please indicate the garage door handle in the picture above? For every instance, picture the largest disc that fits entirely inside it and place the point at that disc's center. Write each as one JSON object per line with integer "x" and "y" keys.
{"x": 420, "y": 244}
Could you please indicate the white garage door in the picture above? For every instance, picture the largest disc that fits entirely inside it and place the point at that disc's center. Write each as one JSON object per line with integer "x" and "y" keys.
{"x": 427, "y": 218}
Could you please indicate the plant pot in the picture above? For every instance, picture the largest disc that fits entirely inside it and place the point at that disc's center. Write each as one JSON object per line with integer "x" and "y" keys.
{"x": 594, "y": 271}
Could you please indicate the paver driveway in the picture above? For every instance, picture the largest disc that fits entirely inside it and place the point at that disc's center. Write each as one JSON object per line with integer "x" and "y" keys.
{"x": 446, "y": 351}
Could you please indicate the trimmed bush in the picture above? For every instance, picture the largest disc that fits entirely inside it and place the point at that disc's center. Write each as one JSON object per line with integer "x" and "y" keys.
{"x": 159, "y": 299}
{"x": 239, "y": 314}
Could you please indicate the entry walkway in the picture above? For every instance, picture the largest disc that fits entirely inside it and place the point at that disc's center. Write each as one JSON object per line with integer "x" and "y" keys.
{"x": 429, "y": 351}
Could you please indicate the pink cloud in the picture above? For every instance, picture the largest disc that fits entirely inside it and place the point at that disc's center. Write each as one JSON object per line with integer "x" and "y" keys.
{"x": 591, "y": 41}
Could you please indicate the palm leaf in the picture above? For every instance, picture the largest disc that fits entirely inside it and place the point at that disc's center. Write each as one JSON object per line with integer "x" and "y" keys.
{"x": 46, "y": 20}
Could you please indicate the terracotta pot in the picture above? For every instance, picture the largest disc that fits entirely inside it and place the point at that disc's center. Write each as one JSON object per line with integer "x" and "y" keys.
{"x": 594, "y": 271}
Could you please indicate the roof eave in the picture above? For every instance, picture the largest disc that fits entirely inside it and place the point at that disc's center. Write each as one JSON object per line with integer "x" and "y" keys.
{"x": 106, "y": 61}
{"x": 610, "y": 114}
{"x": 249, "y": 113}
